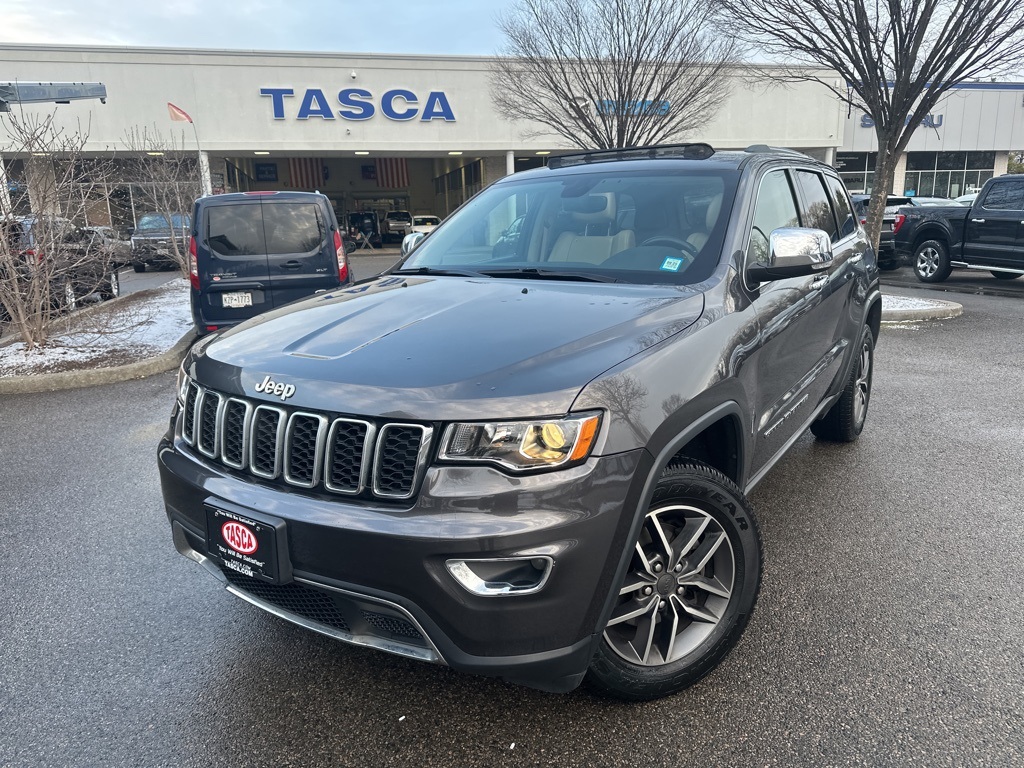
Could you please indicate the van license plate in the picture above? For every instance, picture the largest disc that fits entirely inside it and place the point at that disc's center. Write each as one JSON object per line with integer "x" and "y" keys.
{"x": 236, "y": 300}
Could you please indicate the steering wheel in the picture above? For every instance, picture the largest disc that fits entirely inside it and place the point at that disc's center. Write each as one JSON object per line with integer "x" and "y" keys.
{"x": 672, "y": 242}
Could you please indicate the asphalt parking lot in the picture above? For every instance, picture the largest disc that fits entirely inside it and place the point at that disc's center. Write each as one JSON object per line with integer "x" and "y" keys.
{"x": 888, "y": 630}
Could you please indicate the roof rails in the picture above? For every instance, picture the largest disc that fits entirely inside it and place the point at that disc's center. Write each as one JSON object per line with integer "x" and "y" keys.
{"x": 776, "y": 150}
{"x": 679, "y": 151}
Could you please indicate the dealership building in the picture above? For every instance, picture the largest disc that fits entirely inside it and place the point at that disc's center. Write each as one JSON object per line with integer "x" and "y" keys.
{"x": 420, "y": 133}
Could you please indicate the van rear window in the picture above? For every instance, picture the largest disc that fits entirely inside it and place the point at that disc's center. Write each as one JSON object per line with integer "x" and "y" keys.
{"x": 275, "y": 229}
{"x": 236, "y": 230}
{"x": 292, "y": 227}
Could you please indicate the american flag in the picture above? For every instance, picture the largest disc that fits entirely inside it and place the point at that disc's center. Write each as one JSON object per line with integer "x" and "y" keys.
{"x": 306, "y": 172}
{"x": 392, "y": 172}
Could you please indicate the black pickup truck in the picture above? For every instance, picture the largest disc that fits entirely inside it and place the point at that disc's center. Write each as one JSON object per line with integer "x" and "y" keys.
{"x": 989, "y": 235}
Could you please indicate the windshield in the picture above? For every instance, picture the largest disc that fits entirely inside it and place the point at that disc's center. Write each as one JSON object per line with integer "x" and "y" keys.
{"x": 637, "y": 227}
{"x": 400, "y": 216}
{"x": 159, "y": 221}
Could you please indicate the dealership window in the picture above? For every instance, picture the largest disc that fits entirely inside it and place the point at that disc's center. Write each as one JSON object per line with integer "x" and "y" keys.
{"x": 455, "y": 187}
{"x": 947, "y": 174}
{"x": 857, "y": 170}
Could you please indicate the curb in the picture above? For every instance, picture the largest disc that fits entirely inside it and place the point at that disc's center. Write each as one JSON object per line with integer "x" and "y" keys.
{"x": 53, "y": 382}
{"x": 944, "y": 310}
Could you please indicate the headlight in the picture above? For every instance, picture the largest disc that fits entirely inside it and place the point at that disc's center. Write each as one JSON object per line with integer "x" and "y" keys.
{"x": 520, "y": 445}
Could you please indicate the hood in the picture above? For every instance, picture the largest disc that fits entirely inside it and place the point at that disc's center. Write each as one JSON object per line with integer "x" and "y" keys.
{"x": 438, "y": 348}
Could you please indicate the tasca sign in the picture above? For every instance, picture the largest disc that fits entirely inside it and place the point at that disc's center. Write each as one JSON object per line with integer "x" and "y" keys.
{"x": 358, "y": 104}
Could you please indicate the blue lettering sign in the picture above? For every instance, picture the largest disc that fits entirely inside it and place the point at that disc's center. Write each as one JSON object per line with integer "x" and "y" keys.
{"x": 357, "y": 108}
{"x": 929, "y": 121}
{"x": 395, "y": 104}
{"x": 866, "y": 122}
{"x": 659, "y": 107}
{"x": 314, "y": 104}
{"x": 277, "y": 95}
{"x": 387, "y": 104}
{"x": 437, "y": 108}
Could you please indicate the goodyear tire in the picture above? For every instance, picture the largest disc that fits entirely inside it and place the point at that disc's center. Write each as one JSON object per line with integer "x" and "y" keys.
{"x": 689, "y": 591}
{"x": 844, "y": 421}
{"x": 931, "y": 261}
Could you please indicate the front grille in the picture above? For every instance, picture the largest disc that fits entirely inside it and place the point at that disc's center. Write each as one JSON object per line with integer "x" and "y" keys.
{"x": 315, "y": 451}
{"x": 391, "y": 625}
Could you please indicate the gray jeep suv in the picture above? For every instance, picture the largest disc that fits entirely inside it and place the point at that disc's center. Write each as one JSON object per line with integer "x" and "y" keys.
{"x": 529, "y": 457}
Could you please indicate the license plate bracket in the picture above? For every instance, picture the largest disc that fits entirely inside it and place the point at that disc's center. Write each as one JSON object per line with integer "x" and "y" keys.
{"x": 250, "y": 543}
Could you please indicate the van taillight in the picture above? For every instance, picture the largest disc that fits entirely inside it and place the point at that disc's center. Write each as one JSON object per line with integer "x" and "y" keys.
{"x": 193, "y": 263}
{"x": 339, "y": 247}
{"x": 898, "y": 222}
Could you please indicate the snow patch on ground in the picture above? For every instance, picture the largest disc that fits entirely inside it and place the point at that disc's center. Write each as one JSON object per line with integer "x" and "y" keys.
{"x": 909, "y": 302}
{"x": 134, "y": 328}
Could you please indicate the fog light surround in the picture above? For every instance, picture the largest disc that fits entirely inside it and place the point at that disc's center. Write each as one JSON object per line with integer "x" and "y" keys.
{"x": 502, "y": 576}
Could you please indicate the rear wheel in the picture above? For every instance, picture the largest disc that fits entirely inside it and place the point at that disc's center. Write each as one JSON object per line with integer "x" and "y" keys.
{"x": 844, "y": 421}
{"x": 138, "y": 266}
{"x": 689, "y": 591}
{"x": 931, "y": 262}
{"x": 111, "y": 287}
{"x": 1004, "y": 275}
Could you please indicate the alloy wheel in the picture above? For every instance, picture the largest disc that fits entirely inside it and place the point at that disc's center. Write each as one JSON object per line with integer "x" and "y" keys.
{"x": 927, "y": 262}
{"x": 678, "y": 587}
{"x": 862, "y": 386}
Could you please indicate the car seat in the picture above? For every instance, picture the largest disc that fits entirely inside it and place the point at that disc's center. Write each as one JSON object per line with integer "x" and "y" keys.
{"x": 600, "y": 237}
{"x": 699, "y": 238}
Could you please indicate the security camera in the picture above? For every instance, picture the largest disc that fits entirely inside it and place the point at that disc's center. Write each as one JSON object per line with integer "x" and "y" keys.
{"x": 352, "y": 74}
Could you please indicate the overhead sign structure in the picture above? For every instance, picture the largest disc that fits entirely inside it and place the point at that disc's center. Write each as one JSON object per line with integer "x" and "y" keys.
{"x": 59, "y": 93}
{"x": 396, "y": 104}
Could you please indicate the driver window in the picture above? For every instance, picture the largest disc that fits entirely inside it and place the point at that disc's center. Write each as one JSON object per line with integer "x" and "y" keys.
{"x": 775, "y": 208}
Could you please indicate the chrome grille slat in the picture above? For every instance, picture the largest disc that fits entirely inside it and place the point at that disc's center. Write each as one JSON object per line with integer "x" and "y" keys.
{"x": 265, "y": 441}
{"x": 207, "y": 417}
{"x": 236, "y": 420}
{"x": 308, "y": 450}
{"x": 400, "y": 459}
{"x": 349, "y": 439}
{"x": 302, "y": 462}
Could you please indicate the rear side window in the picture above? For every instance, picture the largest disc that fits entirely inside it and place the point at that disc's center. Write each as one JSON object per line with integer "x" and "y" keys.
{"x": 235, "y": 230}
{"x": 844, "y": 212}
{"x": 292, "y": 227}
{"x": 816, "y": 211}
{"x": 1005, "y": 196}
{"x": 774, "y": 209}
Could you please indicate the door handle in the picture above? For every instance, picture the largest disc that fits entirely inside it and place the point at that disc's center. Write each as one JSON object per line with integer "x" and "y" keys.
{"x": 978, "y": 221}
{"x": 856, "y": 259}
{"x": 293, "y": 264}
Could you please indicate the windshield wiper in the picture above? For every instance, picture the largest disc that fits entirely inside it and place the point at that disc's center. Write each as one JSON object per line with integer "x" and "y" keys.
{"x": 436, "y": 271}
{"x": 535, "y": 273}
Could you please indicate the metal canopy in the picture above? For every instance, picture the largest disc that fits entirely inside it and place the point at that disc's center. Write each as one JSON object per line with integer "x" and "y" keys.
{"x": 60, "y": 93}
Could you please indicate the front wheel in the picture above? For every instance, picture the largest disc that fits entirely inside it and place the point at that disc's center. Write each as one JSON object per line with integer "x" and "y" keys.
{"x": 1004, "y": 275}
{"x": 111, "y": 287}
{"x": 692, "y": 582}
{"x": 931, "y": 262}
{"x": 138, "y": 266}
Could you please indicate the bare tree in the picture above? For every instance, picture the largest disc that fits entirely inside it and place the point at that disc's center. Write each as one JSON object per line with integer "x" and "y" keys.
{"x": 896, "y": 58}
{"x": 168, "y": 177}
{"x": 612, "y": 73}
{"x": 47, "y": 262}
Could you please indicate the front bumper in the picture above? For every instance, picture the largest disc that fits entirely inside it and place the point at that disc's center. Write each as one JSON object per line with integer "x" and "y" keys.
{"x": 378, "y": 573}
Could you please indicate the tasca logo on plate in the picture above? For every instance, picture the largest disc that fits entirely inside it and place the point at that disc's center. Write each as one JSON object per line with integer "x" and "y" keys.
{"x": 239, "y": 537}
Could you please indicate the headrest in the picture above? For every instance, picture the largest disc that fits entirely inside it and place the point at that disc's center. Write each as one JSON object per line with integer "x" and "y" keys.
{"x": 714, "y": 209}
{"x": 592, "y": 209}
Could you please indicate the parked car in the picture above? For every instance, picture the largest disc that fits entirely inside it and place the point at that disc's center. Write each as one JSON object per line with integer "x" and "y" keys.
{"x": 251, "y": 252}
{"x": 119, "y": 248}
{"x": 887, "y": 259}
{"x": 74, "y": 264}
{"x": 397, "y": 224}
{"x": 988, "y": 236}
{"x": 531, "y": 461}
{"x": 153, "y": 240}
{"x": 425, "y": 224}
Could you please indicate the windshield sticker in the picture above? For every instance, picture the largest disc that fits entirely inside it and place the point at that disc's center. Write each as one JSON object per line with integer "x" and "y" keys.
{"x": 671, "y": 265}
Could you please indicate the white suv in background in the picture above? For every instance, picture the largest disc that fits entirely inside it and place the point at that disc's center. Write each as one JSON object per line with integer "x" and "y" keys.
{"x": 397, "y": 224}
{"x": 425, "y": 224}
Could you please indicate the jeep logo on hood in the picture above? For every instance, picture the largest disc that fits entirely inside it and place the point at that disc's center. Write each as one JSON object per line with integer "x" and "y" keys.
{"x": 278, "y": 388}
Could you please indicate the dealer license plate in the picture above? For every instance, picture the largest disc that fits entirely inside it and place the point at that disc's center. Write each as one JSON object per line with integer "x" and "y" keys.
{"x": 236, "y": 300}
{"x": 242, "y": 544}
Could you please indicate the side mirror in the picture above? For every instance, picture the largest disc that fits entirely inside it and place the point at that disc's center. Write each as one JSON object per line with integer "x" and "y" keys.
{"x": 793, "y": 252}
{"x": 411, "y": 241}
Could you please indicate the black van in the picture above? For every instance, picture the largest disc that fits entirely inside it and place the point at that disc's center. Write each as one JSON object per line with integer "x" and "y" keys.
{"x": 251, "y": 252}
